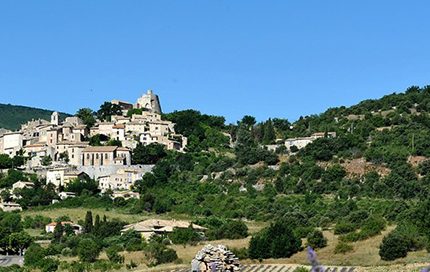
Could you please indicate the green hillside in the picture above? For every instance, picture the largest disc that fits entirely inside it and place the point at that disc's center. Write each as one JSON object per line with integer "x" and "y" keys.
{"x": 12, "y": 116}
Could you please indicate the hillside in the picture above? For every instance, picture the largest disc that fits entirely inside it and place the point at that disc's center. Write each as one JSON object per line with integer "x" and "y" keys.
{"x": 12, "y": 116}
{"x": 357, "y": 193}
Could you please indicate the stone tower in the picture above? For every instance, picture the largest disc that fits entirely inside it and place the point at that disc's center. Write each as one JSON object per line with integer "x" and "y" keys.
{"x": 149, "y": 101}
{"x": 54, "y": 118}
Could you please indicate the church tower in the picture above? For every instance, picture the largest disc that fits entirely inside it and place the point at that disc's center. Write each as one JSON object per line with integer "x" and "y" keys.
{"x": 54, "y": 118}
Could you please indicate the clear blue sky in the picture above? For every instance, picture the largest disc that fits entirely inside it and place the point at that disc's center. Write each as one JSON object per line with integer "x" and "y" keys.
{"x": 224, "y": 57}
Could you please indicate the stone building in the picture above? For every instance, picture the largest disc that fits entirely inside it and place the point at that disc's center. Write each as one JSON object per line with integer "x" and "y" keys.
{"x": 123, "y": 179}
{"x": 149, "y": 101}
{"x": 63, "y": 176}
{"x": 105, "y": 156}
{"x": 11, "y": 143}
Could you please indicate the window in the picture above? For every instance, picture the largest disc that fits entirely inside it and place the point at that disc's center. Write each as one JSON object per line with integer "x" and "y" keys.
{"x": 88, "y": 156}
{"x": 106, "y": 156}
{"x": 97, "y": 156}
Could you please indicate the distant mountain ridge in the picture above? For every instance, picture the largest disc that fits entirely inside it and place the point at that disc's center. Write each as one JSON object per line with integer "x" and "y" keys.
{"x": 12, "y": 116}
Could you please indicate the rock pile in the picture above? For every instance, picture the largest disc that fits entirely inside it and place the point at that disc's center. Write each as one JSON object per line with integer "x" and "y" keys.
{"x": 215, "y": 259}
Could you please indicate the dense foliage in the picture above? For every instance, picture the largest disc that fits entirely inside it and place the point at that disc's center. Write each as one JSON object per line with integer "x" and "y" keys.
{"x": 13, "y": 116}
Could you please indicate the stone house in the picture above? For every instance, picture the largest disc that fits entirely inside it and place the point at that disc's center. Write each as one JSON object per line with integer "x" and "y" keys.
{"x": 11, "y": 143}
{"x": 105, "y": 156}
{"x": 123, "y": 179}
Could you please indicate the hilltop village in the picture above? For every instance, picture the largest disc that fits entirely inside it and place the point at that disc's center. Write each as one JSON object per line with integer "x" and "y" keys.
{"x": 347, "y": 181}
{"x": 61, "y": 151}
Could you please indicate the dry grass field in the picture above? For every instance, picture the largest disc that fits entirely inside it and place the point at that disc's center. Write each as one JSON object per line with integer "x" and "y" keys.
{"x": 364, "y": 256}
{"x": 77, "y": 214}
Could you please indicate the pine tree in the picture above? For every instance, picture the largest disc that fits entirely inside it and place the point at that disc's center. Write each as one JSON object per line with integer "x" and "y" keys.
{"x": 269, "y": 135}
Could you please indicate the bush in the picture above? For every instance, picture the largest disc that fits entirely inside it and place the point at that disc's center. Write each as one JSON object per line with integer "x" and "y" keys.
{"x": 241, "y": 253}
{"x": 344, "y": 227}
{"x": 265, "y": 245}
{"x": 316, "y": 239}
{"x": 88, "y": 250}
{"x": 394, "y": 246}
{"x": 184, "y": 236}
{"x": 113, "y": 256}
{"x": 230, "y": 229}
{"x": 342, "y": 248}
{"x": 158, "y": 253}
{"x": 67, "y": 252}
{"x": 49, "y": 265}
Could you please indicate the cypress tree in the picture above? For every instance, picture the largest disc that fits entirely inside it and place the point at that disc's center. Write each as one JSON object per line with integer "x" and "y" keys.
{"x": 88, "y": 225}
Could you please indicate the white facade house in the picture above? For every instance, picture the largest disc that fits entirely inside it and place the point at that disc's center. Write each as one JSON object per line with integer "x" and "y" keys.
{"x": 12, "y": 142}
{"x": 302, "y": 142}
{"x": 77, "y": 229}
{"x": 62, "y": 176}
{"x": 10, "y": 207}
{"x": 123, "y": 179}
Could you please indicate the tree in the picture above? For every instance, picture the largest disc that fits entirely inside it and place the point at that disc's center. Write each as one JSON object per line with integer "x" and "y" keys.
{"x": 79, "y": 186}
{"x": 11, "y": 222}
{"x": 18, "y": 241}
{"x": 88, "y": 224}
{"x": 34, "y": 255}
{"x": 46, "y": 160}
{"x": 269, "y": 133}
{"x": 64, "y": 156}
{"x": 97, "y": 139}
{"x": 248, "y": 121}
{"x": 114, "y": 142}
{"x": 58, "y": 232}
{"x": 97, "y": 224}
{"x": 88, "y": 250}
{"x": 87, "y": 117}
{"x": 5, "y": 196}
{"x": 264, "y": 245}
{"x": 316, "y": 239}
{"x": 107, "y": 109}
{"x": 5, "y": 161}
{"x": 184, "y": 236}
{"x": 148, "y": 154}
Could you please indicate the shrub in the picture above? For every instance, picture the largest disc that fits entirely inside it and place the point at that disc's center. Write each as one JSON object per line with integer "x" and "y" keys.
{"x": 49, "y": 265}
{"x": 158, "y": 253}
{"x": 184, "y": 236}
{"x": 113, "y": 256}
{"x": 394, "y": 246}
{"x": 67, "y": 252}
{"x": 342, "y": 248}
{"x": 230, "y": 229}
{"x": 265, "y": 245}
{"x": 241, "y": 253}
{"x": 344, "y": 227}
{"x": 316, "y": 239}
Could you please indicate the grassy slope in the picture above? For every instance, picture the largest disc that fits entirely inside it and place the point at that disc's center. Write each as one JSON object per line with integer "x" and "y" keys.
{"x": 12, "y": 116}
{"x": 364, "y": 255}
